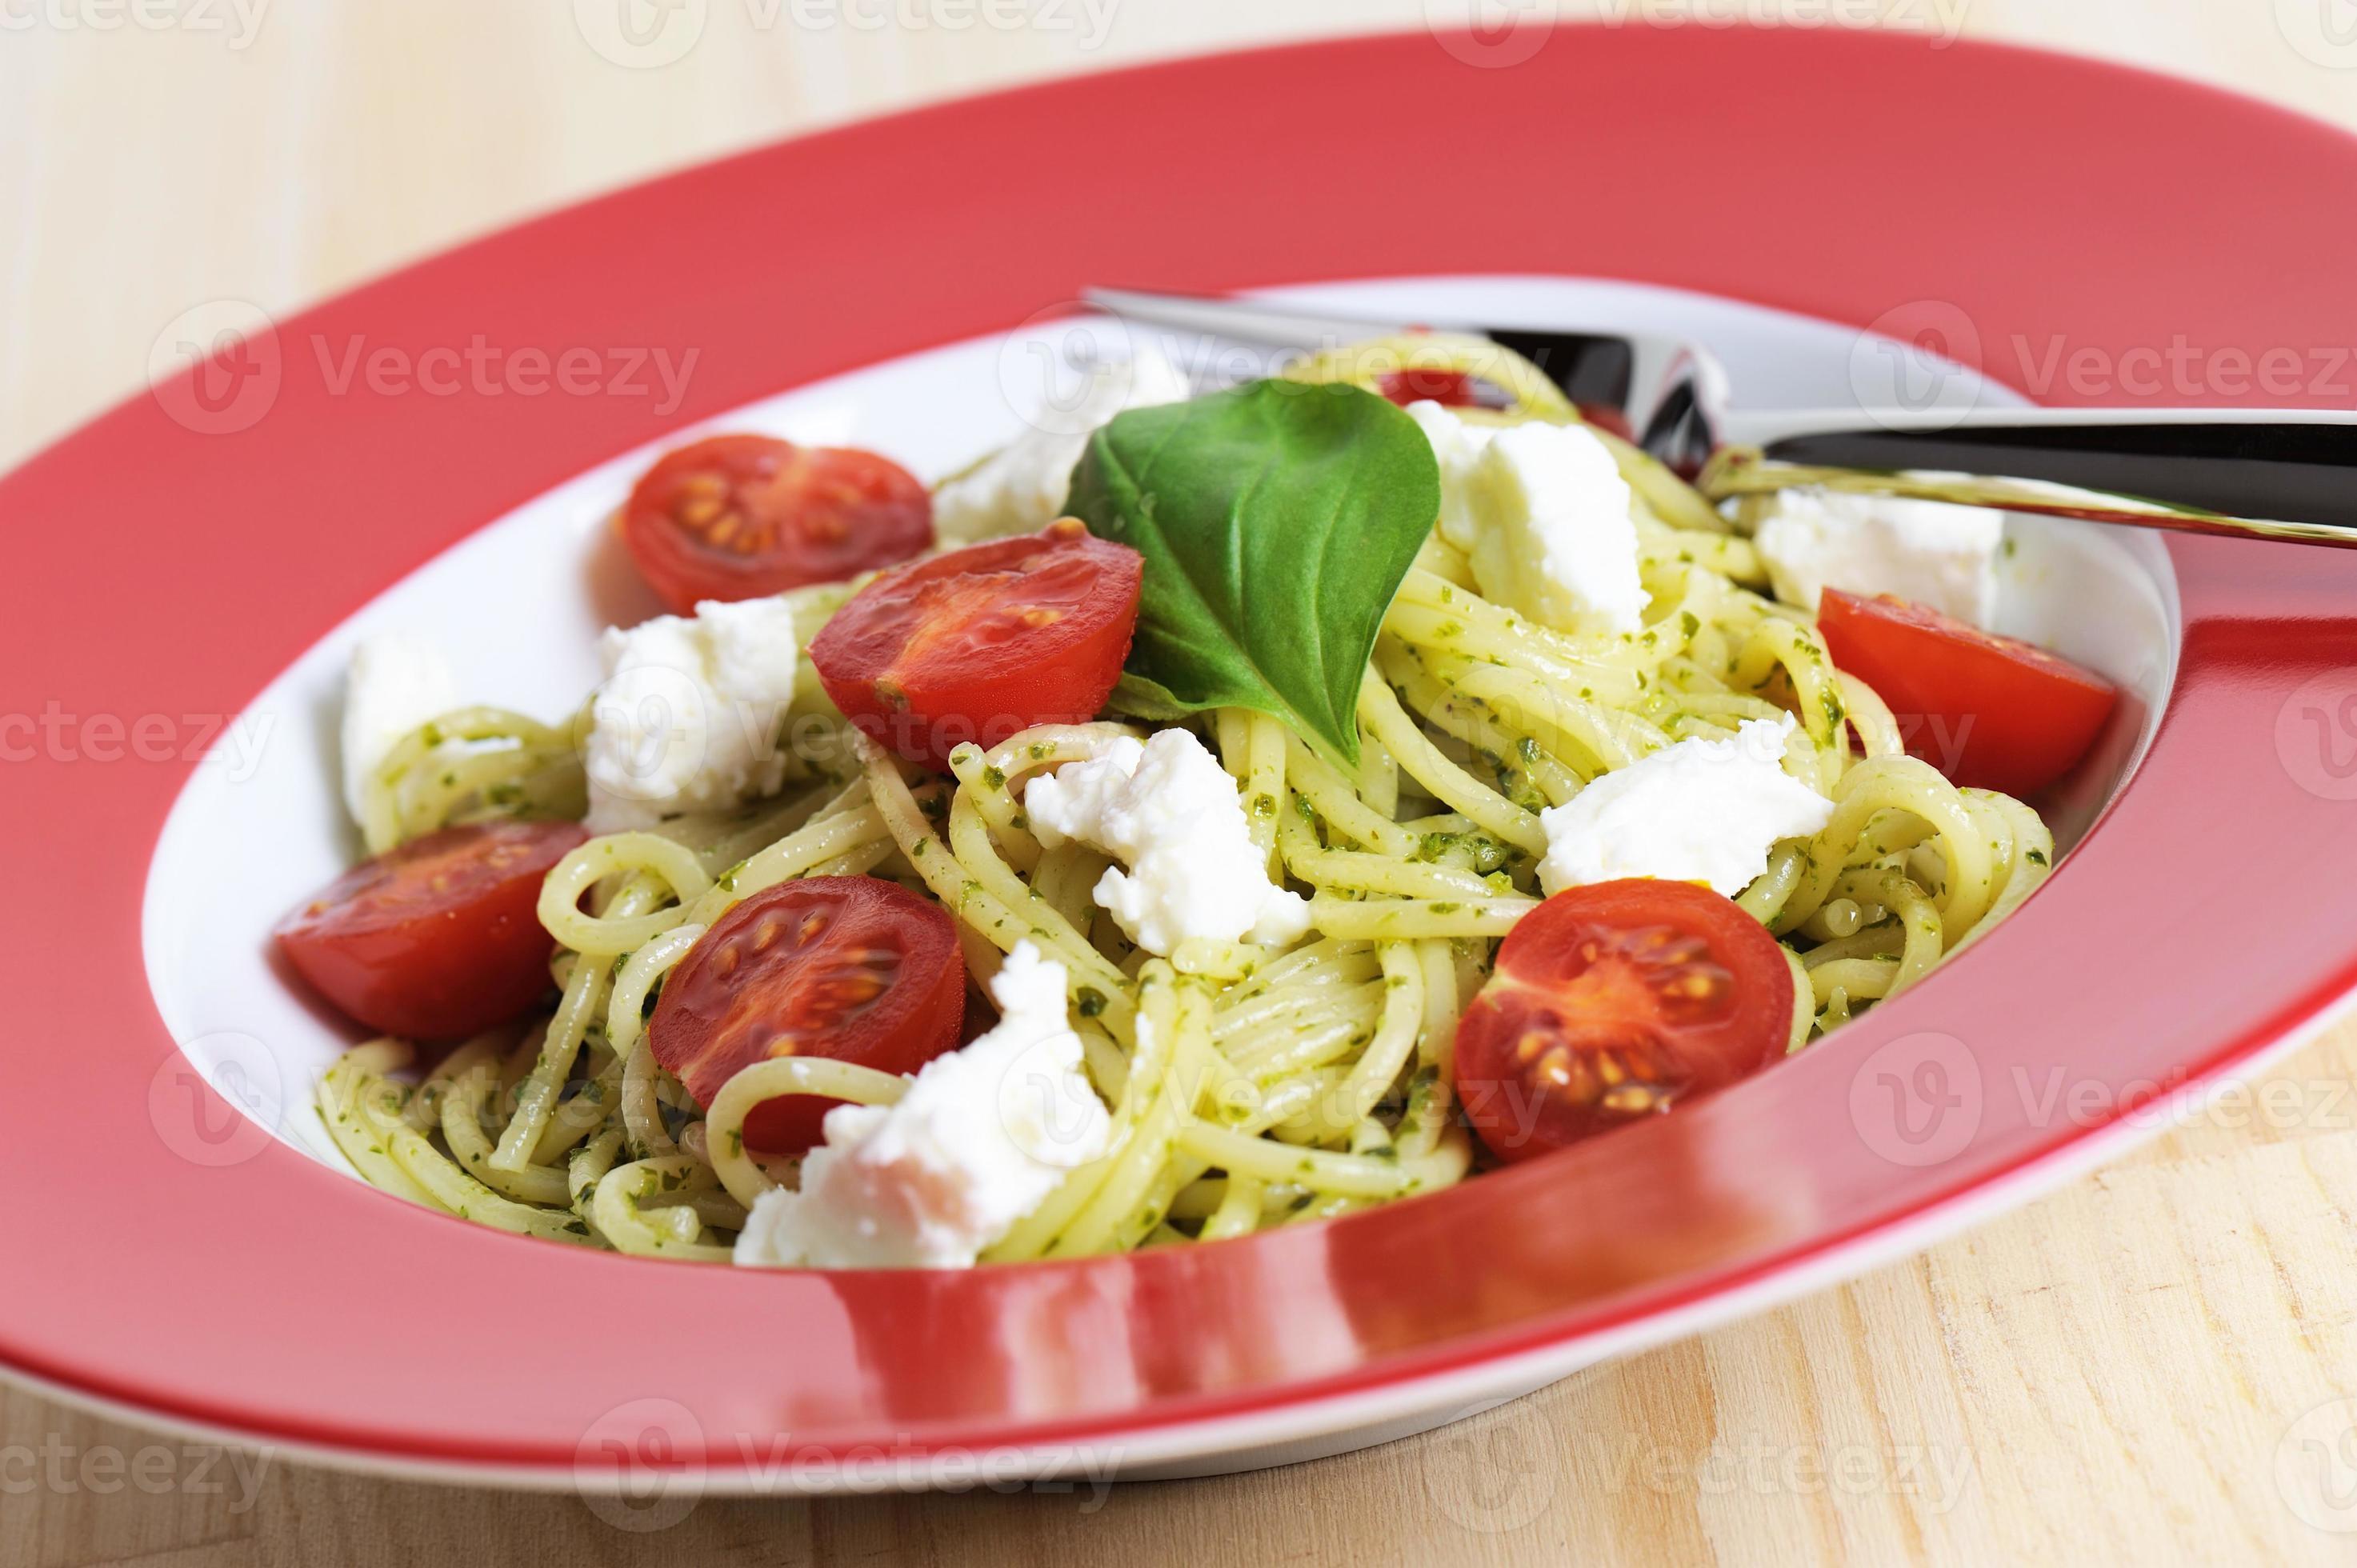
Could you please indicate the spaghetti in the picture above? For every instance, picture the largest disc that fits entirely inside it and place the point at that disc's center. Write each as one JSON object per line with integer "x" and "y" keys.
{"x": 1248, "y": 1087}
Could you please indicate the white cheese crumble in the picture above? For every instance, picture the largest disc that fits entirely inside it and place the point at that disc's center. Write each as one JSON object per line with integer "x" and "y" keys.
{"x": 689, "y": 716}
{"x": 980, "y": 1139}
{"x": 1541, "y": 512}
{"x": 396, "y": 683}
{"x": 1022, "y": 487}
{"x": 1701, "y": 810}
{"x": 1927, "y": 552}
{"x": 1170, "y": 811}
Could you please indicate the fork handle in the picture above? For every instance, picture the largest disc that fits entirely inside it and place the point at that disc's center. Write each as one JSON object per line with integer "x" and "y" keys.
{"x": 2269, "y": 473}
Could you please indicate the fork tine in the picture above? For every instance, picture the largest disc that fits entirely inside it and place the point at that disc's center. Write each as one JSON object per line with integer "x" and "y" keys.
{"x": 1241, "y": 321}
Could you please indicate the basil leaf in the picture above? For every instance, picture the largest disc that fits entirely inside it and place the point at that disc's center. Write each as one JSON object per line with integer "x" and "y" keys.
{"x": 1277, "y": 521}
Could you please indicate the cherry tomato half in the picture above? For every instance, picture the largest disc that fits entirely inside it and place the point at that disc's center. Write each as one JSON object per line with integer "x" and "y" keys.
{"x": 436, "y": 940}
{"x": 983, "y": 642}
{"x": 1987, "y": 710}
{"x": 738, "y": 517}
{"x": 853, "y": 967}
{"x": 1616, "y": 1000}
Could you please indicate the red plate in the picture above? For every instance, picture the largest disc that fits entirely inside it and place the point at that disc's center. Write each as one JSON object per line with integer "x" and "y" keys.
{"x": 2214, "y": 912}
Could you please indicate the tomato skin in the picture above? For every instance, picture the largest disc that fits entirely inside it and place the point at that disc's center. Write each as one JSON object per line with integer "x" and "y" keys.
{"x": 1989, "y": 712}
{"x": 1609, "y": 419}
{"x": 1463, "y": 389}
{"x": 1450, "y": 389}
{"x": 740, "y": 516}
{"x": 438, "y": 939}
{"x": 1615, "y": 1001}
{"x": 981, "y": 643}
{"x": 853, "y": 967}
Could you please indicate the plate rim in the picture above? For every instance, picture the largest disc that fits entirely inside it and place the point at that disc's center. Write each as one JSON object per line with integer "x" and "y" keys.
{"x": 139, "y": 421}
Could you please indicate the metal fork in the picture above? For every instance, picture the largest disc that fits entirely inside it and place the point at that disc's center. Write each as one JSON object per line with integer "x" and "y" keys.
{"x": 2281, "y": 473}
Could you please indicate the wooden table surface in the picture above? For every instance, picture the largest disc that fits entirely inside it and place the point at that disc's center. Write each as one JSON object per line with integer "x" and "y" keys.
{"x": 2144, "y": 1367}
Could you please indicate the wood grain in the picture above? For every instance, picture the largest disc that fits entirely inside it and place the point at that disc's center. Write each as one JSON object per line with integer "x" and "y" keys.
{"x": 2116, "y": 1373}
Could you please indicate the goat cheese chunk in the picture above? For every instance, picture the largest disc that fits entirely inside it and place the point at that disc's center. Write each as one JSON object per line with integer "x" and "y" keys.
{"x": 688, "y": 718}
{"x": 1022, "y": 487}
{"x": 980, "y": 1139}
{"x": 396, "y": 683}
{"x": 1927, "y": 552}
{"x": 1169, "y": 809}
{"x": 1541, "y": 512}
{"x": 1701, "y": 810}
